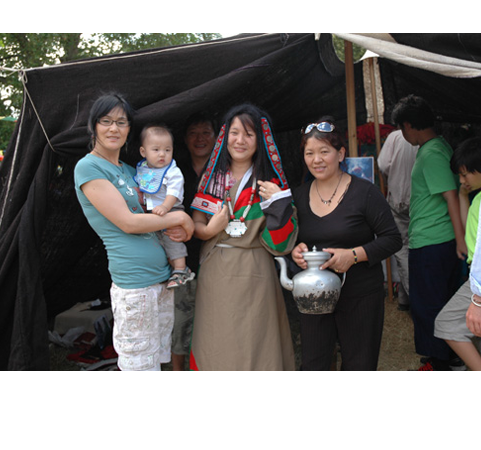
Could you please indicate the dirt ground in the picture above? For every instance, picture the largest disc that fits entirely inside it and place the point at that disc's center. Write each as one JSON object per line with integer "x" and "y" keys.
{"x": 397, "y": 348}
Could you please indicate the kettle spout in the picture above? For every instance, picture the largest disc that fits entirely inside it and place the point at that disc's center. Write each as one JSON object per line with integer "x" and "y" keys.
{"x": 286, "y": 282}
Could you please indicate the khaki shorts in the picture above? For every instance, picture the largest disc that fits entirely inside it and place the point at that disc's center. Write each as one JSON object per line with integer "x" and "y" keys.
{"x": 450, "y": 323}
{"x": 143, "y": 322}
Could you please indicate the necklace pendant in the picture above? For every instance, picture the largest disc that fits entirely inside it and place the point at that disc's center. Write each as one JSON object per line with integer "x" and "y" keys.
{"x": 236, "y": 228}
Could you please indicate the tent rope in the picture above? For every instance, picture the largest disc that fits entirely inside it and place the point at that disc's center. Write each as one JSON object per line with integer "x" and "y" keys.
{"x": 8, "y": 69}
{"x": 24, "y": 80}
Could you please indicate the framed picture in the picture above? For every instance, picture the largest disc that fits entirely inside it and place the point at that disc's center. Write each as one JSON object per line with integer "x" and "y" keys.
{"x": 362, "y": 167}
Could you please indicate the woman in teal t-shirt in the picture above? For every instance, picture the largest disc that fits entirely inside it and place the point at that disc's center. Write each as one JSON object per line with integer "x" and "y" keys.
{"x": 142, "y": 306}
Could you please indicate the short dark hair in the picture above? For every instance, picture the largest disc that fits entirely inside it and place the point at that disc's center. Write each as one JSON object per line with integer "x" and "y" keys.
{"x": 335, "y": 137}
{"x": 198, "y": 118}
{"x": 102, "y": 106}
{"x": 155, "y": 128}
{"x": 467, "y": 155}
{"x": 415, "y": 111}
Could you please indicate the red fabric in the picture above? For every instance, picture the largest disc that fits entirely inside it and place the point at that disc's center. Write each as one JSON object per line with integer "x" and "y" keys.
{"x": 93, "y": 355}
{"x": 244, "y": 198}
{"x": 281, "y": 235}
{"x": 192, "y": 363}
{"x": 366, "y": 133}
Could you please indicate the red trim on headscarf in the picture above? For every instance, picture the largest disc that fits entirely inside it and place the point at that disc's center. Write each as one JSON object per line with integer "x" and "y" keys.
{"x": 206, "y": 203}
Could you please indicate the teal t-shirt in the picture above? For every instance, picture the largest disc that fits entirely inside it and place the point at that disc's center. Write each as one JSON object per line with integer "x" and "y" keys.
{"x": 472, "y": 226}
{"x": 429, "y": 221}
{"x": 135, "y": 260}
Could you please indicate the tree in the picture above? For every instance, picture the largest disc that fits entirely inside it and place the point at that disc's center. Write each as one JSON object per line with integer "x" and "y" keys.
{"x": 357, "y": 52}
{"x": 26, "y": 50}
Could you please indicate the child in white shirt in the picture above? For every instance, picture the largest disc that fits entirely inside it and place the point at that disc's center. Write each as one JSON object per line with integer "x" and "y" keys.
{"x": 162, "y": 183}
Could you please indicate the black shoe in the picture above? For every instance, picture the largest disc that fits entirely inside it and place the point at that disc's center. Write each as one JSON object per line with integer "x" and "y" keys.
{"x": 457, "y": 364}
{"x": 403, "y": 307}
{"x": 434, "y": 364}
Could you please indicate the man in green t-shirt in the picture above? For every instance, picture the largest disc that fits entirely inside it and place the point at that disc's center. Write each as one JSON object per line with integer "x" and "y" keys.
{"x": 436, "y": 233}
{"x": 451, "y": 321}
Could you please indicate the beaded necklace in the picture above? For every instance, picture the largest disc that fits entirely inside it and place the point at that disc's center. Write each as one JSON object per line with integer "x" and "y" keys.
{"x": 328, "y": 202}
{"x": 237, "y": 227}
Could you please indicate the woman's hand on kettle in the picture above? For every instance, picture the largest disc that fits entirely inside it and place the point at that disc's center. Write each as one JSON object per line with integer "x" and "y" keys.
{"x": 341, "y": 260}
{"x": 297, "y": 256}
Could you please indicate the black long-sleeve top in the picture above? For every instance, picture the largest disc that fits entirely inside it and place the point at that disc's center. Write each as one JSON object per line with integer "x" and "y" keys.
{"x": 362, "y": 218}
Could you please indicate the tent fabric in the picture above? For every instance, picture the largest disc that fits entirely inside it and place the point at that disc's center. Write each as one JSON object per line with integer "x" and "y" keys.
{"x": 454, "y": 100}
{"x": 444, "y": 68}
{"x": 396, "y": 48}
{"x": 50, "y": 259}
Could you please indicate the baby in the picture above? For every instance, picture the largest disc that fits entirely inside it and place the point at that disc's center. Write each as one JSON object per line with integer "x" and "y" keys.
{"x": 162, "y": 183}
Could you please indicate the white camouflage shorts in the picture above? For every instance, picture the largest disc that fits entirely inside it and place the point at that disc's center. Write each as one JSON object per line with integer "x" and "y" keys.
{"x": 143, "y": 322}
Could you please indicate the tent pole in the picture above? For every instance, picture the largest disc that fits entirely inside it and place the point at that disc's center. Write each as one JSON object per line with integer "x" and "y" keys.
{"x": 374, "y": 105}
{"x": 351, "y": 99}
{"x": 378, "y": 150}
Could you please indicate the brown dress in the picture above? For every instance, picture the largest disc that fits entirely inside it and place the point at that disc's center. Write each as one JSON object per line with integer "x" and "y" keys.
{"x": 240, "y": 317}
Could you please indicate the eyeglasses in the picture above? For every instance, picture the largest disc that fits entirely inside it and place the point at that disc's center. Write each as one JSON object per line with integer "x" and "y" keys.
{"x": 121, "y": 123}
{"x": 323, "y": 127}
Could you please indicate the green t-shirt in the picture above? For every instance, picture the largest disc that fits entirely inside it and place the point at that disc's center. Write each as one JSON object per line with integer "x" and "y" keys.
{"x": 472, "y": 226}
{"x": 135, "y": 260}
{"x": 431, "y": 176}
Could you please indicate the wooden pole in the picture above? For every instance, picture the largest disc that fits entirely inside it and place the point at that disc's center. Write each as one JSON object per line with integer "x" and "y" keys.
{"x": 374, "y": 105}
{"x": 351, "y": 99}
{"x": 378, "y": 150}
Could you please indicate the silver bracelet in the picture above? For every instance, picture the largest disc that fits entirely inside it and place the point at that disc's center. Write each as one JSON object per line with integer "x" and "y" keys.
{"x": 475, "y": 302}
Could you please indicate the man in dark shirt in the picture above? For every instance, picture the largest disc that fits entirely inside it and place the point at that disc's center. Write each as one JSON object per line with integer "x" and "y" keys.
{"x": 199, "y": 138}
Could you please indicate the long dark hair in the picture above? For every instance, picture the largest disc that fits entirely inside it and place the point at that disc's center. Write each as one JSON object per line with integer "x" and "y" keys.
{"x": 249, "y": 115}
{"x": 101, "y": 107}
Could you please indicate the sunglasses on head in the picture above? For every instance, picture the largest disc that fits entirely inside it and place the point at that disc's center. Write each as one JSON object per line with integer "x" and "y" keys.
{"x": 323, "y": 127}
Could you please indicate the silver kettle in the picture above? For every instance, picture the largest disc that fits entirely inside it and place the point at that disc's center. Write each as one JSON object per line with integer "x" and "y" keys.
{"x": 315, "y": 291}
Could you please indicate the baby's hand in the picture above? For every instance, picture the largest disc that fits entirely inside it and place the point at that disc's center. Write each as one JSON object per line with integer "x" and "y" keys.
{"x": 160, "y": 210}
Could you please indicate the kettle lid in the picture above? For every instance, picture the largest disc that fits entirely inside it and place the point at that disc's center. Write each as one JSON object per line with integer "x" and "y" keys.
{"x": 315, "y": 255}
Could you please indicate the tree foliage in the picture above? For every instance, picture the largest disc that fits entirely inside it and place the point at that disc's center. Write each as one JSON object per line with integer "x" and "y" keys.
{"x": 357, "y": 51}
{"x": 27, "y": 50}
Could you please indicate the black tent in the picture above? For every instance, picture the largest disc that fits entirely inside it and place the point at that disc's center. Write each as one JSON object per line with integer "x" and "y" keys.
{"x": 51, "y": 259}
